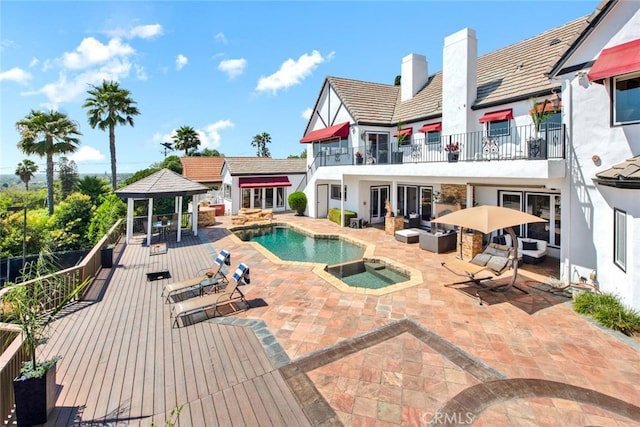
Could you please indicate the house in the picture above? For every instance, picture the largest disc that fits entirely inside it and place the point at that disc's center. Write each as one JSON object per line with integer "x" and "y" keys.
{"x": 261, "y": 182}
{"x": 205, "y": 170}
{"x": 467, "y": 134}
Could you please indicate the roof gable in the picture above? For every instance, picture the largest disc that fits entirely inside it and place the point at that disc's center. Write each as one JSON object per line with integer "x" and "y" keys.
{"x": 164, "y": 183}
{"x": 264, "y": 166}
{"x": 202, "y": 169}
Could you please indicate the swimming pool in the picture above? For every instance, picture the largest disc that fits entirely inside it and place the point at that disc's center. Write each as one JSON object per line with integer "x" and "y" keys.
{"x": 369, "y": 274}
{"x": 292, "y": 245}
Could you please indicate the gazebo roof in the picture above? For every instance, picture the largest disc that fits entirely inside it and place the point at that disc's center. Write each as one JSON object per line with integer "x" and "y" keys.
{"x": 164, "y": 183}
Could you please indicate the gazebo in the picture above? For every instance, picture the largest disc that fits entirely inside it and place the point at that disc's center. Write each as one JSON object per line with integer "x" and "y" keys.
{"x": 164, "y": 183}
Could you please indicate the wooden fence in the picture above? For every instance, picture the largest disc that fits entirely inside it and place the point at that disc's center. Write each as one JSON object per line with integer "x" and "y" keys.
{"x": 13, "y": 352}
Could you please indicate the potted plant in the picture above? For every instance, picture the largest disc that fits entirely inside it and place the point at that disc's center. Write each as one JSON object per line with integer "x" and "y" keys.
{"x": 397, "y": 155}
{"x": 32, "y": 305}
{"x": 359, "y": 158}
{"x": 453, "y": 151}
{"x": 537, "y": 146}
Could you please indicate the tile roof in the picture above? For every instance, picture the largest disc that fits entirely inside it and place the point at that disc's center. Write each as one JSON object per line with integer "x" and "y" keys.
{"x": 264, "y": 166}
{"x": 202, "y": 169}
{"x": 164, "y": 183}
{"x": 509, "y": 74}
{"x": 622, "y": 175}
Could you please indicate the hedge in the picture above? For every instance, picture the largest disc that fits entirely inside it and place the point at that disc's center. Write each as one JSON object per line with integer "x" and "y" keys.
{"x": 334, "y": 215}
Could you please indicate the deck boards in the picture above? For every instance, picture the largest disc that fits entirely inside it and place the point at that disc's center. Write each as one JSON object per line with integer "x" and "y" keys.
{"x": 124, "y": 364}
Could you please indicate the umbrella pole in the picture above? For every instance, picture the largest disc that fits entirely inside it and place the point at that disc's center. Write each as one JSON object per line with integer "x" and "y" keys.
{"x": 514, "y": 265}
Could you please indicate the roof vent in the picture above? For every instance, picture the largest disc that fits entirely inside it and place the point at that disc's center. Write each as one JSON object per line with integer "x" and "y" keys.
{"x": 554, "y": 41}
{"x": 519, "y": 67}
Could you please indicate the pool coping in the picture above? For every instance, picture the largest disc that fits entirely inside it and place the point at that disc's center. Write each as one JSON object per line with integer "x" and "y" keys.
{"x": 415, "y": 275}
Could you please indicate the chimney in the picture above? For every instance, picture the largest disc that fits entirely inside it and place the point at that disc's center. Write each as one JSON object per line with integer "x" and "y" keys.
{"x": 413, "y": 75}
{"x": 459, "y": 81}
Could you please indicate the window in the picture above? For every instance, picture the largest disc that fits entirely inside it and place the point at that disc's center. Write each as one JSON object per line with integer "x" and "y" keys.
{"x": 227, "y": 191}
{"x": 620, "y": 239}
{"x": 335, "y": 192}
{"x": 498, "y": 128}
{"x": 434, "y": 137}
{"x": 626, "y": 99}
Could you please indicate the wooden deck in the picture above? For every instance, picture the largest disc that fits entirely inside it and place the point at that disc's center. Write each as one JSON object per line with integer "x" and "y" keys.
{"x": 123, "y": 363}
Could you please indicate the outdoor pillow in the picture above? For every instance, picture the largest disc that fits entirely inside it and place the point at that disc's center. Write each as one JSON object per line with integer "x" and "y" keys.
{"x": 501, "y": 240}
{"x": 481, "y": 259}
{"x": 497, "y": 263}
{"x": 529, "y": 246}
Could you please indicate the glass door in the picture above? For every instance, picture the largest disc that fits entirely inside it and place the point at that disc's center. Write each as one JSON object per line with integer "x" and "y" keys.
{"x": 378, "y": 197}
{"x": 426, "y": 209}
{"x": 512, "y": 200}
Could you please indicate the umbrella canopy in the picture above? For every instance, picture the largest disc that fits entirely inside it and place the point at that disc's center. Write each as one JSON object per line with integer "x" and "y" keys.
{"x": 487, "y": 218}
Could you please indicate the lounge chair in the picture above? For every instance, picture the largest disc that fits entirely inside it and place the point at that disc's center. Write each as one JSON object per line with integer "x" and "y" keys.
{"x": 213, "y": 278}
{"x": 231, "y": 294}
{"x": 490, "y": 264}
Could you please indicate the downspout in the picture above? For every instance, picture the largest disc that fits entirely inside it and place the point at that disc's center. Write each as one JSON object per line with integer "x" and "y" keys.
{"x": 342, "y": 199}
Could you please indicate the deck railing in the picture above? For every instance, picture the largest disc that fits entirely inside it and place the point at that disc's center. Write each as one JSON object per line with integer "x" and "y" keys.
{"x": 13, "y": 352}
{"x": 521, "y": 143}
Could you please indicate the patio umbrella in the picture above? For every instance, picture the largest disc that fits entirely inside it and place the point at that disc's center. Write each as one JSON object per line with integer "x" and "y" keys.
{"x": 486, "y": 219}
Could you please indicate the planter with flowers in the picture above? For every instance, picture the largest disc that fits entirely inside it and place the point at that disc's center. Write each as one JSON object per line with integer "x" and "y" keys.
{"x": 453, "y": 151}
{"x": 359, "y": 158}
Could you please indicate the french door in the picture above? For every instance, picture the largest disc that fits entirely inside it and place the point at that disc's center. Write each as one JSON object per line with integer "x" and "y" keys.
{"x": 378, "y": 197}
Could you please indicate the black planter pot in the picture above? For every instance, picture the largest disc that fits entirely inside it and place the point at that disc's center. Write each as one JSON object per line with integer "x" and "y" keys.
{"x": 397, "y": 157}
{"x": 452, "y": 156}
{"x": 359, "y": 160}
{"x": 35, "y": 398}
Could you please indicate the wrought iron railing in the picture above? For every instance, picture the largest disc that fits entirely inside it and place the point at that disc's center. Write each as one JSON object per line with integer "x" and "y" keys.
{"x": 522, "y": 142}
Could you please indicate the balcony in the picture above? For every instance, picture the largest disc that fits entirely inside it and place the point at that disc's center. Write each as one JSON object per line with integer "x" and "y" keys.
{"x": 522, "y": 143}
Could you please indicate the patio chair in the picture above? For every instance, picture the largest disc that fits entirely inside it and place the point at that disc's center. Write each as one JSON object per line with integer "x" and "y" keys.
{"x": 213, "y": 278}
{"x": 231, "y": 294}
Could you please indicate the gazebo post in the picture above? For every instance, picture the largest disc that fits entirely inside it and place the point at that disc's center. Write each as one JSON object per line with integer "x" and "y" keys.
{"x": 149, "y": 221}
{"x": 194, "y": 213}
{"x": 129, "y": 219}
{"x": 179, "y": 202}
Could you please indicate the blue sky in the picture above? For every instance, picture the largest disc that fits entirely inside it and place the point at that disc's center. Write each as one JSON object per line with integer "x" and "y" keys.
{"x": 231, "y": 70}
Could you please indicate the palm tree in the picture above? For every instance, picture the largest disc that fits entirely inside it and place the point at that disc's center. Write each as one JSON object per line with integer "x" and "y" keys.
{"x": 25, "y": 170}
{"x": 108, "y": 106}
{"x": 260, "y": 141}
{"x": 46, "y": 135}
{"x": 186, "y": 138}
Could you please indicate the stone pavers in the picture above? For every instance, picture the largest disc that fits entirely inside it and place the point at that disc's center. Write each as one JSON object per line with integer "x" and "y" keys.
{"x": 535, "y": 336}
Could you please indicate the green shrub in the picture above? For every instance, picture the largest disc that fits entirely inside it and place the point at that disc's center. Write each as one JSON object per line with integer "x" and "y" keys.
{"x": 334, "y": 216}
{"x": 609, "y": 311}
{"x": 298, "y": 202}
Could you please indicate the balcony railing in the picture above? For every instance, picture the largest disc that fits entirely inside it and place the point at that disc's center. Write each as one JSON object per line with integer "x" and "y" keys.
{"x": 522, "y": 142}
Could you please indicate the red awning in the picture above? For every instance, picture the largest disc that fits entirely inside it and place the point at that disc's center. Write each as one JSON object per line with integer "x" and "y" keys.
{"x": 615, "y": 61}
{"x": 497, "y": 116}
{"x": 433, "y": 127}
{"x": 264, "y": 181}
{"x": 341, "y": 130}
{"x": 405, "y": 132}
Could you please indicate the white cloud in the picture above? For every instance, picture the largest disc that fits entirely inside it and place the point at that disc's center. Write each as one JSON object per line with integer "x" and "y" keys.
{"x": 34, "y": 61}
{"x": 86, "y": 154}
{"x": 6, "y": 44}
{"x": 16, "y": 74}
{"x": 306, "y": 114}
{"x": 146, "y": 31}
{"x": 71, "y": 89}
{"x": 141, "y": 74}
{"x": 92, "y": 52}
{"x": 291, "y": 72}
{"x": 233, "y": 67}
{"x": 221, "y": 38}
{"x": 181, "y": 61}
{"x": 46, "y": 65}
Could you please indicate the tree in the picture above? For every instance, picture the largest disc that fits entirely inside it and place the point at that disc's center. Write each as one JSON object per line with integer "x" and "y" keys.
{"x": 94, "y": 187}
{"x": 112, "y": 209}
{"x": 71, "y": 222}
{"x": 68, "y": 175}
{"x": 302, "y": 155}
{"x": 208, "y": 152}
{"x": 108, "y": 106}
{"x": 186, "y": 138}
{"x": 260, "y": 141}
{"x": 25, "y": 170}
{"x": 46, "y": 135}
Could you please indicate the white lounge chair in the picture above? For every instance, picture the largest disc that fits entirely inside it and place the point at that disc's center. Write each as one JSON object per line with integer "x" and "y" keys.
{"x": 213, "y": 278}
{"x": 231, "y": 294}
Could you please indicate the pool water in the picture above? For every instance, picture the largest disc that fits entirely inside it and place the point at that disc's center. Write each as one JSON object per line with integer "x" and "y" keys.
{"x": 368, "y": 275}
{"x": 291, "y": 245}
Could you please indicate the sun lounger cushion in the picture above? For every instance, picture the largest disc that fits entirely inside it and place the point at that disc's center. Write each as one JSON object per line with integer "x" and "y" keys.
{"x": 497, "y": 263}
{"x": 481, "y": 259}
{"x": 242, "y": 273}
